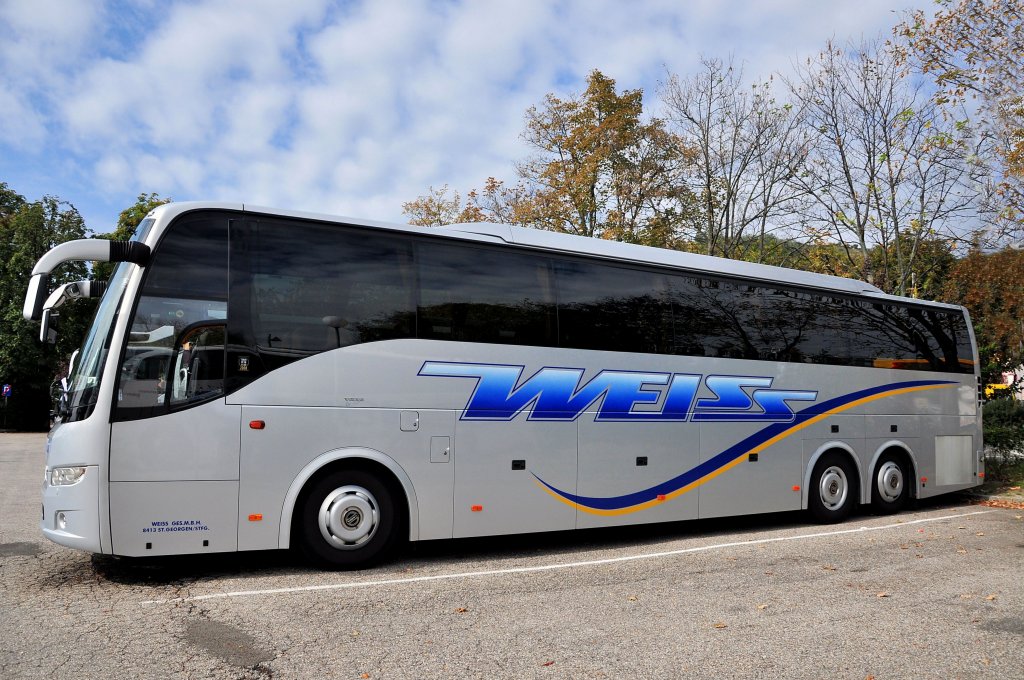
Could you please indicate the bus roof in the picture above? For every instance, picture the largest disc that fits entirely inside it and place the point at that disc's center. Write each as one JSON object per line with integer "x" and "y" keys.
{"x": 579, "y": 245}
{"x": 569, "y": 243}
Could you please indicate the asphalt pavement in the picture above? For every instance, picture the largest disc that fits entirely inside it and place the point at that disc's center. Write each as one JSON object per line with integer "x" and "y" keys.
{"x": 935, "y": 592}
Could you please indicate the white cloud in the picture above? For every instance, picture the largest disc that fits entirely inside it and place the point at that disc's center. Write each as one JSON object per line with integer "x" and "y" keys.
{"x": 349, "y": 107}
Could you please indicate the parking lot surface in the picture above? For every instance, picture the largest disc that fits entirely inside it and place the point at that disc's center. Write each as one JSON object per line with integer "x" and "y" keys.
{"x": 936, "y": 592}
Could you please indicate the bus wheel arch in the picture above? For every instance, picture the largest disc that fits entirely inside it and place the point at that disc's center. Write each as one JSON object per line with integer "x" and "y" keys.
{"x": 363, "y": 463}
{"x": 893, "y": 471}
{"x": 833, "y": 483}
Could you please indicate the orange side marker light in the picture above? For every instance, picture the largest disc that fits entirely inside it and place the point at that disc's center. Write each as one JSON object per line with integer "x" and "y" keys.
{"x": 256, "y": 517}
{"x": 257, "y": 424}
{"x": 476, "y": 508}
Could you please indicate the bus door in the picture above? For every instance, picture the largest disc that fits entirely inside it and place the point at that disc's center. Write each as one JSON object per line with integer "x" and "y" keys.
{"x": 174, "y": 442}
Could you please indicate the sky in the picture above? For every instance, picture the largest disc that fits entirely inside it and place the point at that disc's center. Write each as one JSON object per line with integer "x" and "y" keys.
{"x": 347, "y": 108}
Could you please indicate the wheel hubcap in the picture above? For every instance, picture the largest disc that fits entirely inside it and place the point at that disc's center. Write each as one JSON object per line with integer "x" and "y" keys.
{"x": 890, "y": 481}
{"x": 348, "y": 517}
{"x": 833, "y": 488}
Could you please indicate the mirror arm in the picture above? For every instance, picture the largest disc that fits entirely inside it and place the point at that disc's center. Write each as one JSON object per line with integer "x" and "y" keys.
{"x": 79, "y": 250}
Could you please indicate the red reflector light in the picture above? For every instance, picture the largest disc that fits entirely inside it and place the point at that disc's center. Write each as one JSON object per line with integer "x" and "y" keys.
{"x": 258, "y": 517}
{"x": 476, "y": 508}
{"x": 796, "y": 487}
{"x": 981, "y": 474}
{"x": 257, "y": 424}
{"x": 661, "y": 496}
{"x": 924, "y": 479}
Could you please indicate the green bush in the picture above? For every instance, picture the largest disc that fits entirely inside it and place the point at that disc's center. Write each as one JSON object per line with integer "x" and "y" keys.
{"x": 1003, "y": 421}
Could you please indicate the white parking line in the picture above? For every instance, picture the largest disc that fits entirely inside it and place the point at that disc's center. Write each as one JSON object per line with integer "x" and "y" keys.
{"x": 554, "y": 567}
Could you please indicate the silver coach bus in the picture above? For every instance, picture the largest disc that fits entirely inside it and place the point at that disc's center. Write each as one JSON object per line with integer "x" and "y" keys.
{"x": 259, "y": 379}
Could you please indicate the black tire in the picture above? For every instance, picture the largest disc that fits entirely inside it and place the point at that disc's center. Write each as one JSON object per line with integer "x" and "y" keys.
{"x": 890, "y": 484}
{"x": 348, "y": 520}
{"x": 834, "y": 488}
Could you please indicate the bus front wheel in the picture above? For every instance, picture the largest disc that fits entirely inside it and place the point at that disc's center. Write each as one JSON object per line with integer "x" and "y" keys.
{"x": 833, "y": 492}
{"x": 348, "y": 520}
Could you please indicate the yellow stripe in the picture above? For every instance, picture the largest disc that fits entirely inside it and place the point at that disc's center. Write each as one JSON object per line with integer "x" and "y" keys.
{"x": 738, "y": 459}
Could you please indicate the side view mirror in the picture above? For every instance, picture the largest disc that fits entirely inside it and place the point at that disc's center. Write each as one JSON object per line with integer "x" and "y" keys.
{"x": 48, "y": 326}
{"x": 68, "y": 291}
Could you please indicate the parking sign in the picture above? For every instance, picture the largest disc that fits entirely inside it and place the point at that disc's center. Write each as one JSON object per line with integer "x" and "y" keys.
{"x": 7, "y": 391}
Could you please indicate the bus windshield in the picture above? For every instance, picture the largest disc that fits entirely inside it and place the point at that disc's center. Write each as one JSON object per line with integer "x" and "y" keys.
{"x": 84, "y": 381}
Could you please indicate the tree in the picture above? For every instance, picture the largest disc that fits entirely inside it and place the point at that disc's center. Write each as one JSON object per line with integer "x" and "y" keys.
{"x": 991, "y": 286}
{"x": 439, "y": 207}
{"x": 885, "y": 169}
{"x": 127, "y": 221}
{"x": 597, "y": 169}
{"x": 973, "y": 49}
{"x": 27, "y": 231}
{"x": 747, "y": 146}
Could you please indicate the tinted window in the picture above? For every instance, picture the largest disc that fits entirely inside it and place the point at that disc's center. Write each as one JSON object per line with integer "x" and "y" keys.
{"x": 714, "y": 318}
{"x": 470, "y": 294}
{"x": 301, "y": 288}
{"x": 315, "y": 288}
{"x": 725, "y": 319}
{"x": 613, "y": 308}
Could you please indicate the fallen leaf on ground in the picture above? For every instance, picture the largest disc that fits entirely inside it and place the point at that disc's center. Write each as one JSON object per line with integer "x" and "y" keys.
{"x": 882, "y": 594}
{"x": 966, "y": 596}
{"x": 990, "y": 597}
{"x": 980, "y": 533}
{"x": 364, "y": 676}
{"x": 1014, "y": 488}
{"x": 461, "y": 610}
{"x": 548, "y": 663}
{"x": 762, "y": 606}
{"x": 719, "y": 624}
{"x": 961, "y": 551}
{"x": 828, "y": 567}
{"x": 1000, "y": 503}
{"x": 632, "y": 598}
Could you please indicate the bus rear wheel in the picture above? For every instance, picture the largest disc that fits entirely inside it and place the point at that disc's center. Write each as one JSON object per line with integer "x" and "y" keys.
{"x": 890, "y": 489}
{"x": 833, "y": 492}
{"x": 348, "y": 520}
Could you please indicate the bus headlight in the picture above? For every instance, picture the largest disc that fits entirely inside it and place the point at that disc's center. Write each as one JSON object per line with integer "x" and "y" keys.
{"x": 66, "y": 476}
